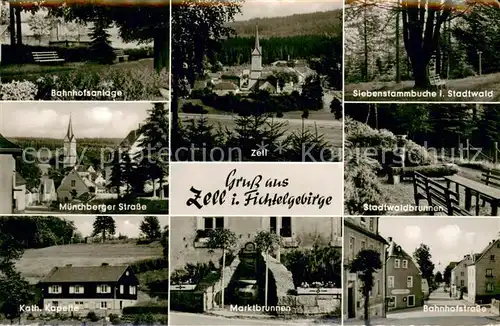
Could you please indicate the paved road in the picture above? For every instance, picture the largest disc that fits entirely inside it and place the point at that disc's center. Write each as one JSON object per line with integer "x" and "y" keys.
{"x": 440, "y": 309}
{"x": 332, "y": 129}
{"x": 181, "y": 318}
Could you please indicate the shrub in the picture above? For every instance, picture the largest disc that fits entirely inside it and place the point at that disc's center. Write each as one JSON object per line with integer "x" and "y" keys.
{"x": 187, "y": 301}
{"x": 92, "y": 316}
{"x": 146, "y": 265}
{"x": 139, "y": 53}
{"x": 144, "y": 319}
{"x": 18, "y": 91}
{"x": 193, "y": 108}
{"x": 431, "y": 171}
{"x": 146, "y": 309}
{"x": 192, "y": 273}
{"x": 418, "y": 155}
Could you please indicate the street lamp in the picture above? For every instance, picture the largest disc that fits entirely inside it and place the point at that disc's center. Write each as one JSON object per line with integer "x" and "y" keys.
{"x": 479, "y": 53}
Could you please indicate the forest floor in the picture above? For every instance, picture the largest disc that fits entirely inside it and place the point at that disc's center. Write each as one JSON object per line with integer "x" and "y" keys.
{"x": 476, "y": 86}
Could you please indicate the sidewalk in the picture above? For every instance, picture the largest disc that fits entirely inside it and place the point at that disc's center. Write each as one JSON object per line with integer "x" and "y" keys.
{"x": 293, "y": 319}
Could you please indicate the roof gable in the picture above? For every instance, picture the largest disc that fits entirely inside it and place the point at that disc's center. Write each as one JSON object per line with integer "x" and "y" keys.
{"x": 486, "y": 250}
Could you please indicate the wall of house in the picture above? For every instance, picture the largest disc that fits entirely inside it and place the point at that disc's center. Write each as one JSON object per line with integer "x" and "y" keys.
{"x": 305, "y": 232}
{"x": 20, "y": 198}
{"x": 351, "y": 281}
{"x": 471, "y": 287}
{"x": 7, "y": 166}
{"x": 459, "y": 276}
{"x": 65, "y": 189}
{"x": 481, "y": 292}
{"x": 401, "y": 291}
{"x": 90, "y": 305}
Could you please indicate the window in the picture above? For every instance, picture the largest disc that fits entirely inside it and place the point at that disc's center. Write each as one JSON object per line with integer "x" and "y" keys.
{"x": 390, "y": 282}
{"x": 363, "y": 245}
{"x": 104, "y": 305}
{"x": 405, "y": 263}
{"x": 55, "y": 289}
{"x": 286, "y": 227}
{"x": 273, "y": 227}
{"x": 377, "y": 287}
{"x": 211, "y": 223}
{"x": 489, "y": 287}
{"x": 73, "y": 183}
{"x": 352, "y": 247}
{"x": 103, "y": 288}
{"x": 397, "y": 263}
{"x": 462, "y": 283}
{"x": 489, "y": 272}
{"x": 363, "y": 220}
{"x": 492, "y": 257}
{"x": 132, "y": 290}
{"x": 372, "y": 223}
{"x": 127, "y": 273}
{"x": 409, "y": 281}
{"x": 77, "y": 289}
{"x": 411, "y": 300}
{"x": 55, "y": 303}
{"x": 462, "y": 273}
{"x": 121, "y": 288}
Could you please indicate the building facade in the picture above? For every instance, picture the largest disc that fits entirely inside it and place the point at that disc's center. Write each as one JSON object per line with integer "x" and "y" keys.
{"x": 362, "y": 233}
{"x": 483, "y": 273}
{"x": 459, "y": 277}
{"x": 103, "y": 289}
{"x": 404, "y": 279}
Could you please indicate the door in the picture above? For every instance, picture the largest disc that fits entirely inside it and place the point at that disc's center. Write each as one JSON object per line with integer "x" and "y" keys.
{"x": 351, "y": 311}
{"x": 121, "y": 305}
{"x": 411, "y": 301}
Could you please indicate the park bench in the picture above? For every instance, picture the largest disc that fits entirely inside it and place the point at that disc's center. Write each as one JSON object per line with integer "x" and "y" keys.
{"x": 436, "y": 81}
{"x": 120, "y": 55}
{"x": 437, "y": 195}
{"x": 490, "y": 178}
{"x": 46, "y": 57}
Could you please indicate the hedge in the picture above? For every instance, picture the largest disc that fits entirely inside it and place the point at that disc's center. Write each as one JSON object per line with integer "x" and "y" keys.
{"x": 432, "y": 171}
{"x": 187, "y": 301}
{"x": 140, "y": 310}
{"x": 146, "y": 265}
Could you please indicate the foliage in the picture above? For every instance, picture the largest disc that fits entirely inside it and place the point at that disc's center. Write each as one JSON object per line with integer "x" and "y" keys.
{"x": 150, "y": 227}
{"x": 40, "y": 26}
{"x": 100, "y": 49}
{"x": 92, "y": 316}
{"x": 266, "y": 241}
{"x": 146, "y": 265}
{"x": 193, "y": 108}
{"x": 319, "y": 266}
{"x": 26, "y": 166}
{"x": 192, "y": 274}
{"x": 221, "y": 239}
{"x": 438, "y": 278}
{"x": 422, "y": 256}
{"x": 165, "y": 241}
{"x": 104, "y": 225}
{"x": 312, "y": 93}
{"x": 18, "y": 91}
{"x": 147, "y": 308}
{"x": 366, "y": 264}
{"x": 187, "y": 301}
{"x": 447, "y": 273}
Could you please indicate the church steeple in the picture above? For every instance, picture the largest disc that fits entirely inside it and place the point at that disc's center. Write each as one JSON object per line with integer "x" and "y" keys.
{"x": 69, "y": 134}
{"x": 257, "y": 49}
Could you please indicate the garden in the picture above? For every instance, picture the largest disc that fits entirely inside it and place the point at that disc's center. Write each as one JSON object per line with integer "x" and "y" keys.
{"x": 383, "y": 152}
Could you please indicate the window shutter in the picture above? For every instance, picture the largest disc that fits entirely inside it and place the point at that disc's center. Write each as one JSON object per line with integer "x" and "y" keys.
{"x": 71, "y": 289}
{"x": 98, "y": 289}
{"x": 121, "y": 288}
{"x": 199, "y": 223}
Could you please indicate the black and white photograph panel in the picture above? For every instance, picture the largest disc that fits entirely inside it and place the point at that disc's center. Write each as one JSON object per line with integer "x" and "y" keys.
{"x": 84, "y": 270}
{"x": 420, "y": 271}
{"x": 422, "y": 159}
{"x": 272, "y": 270}
{"x": 85, "y": 50}
{"x": 438, "y": 51}
{"x": 258, "y": 81}
{"x": 84, "y": 157}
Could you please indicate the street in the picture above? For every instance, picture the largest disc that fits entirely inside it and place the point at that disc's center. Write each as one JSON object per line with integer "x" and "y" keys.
{"x": 438, "y": 299}
{"x": 181, "y": 318}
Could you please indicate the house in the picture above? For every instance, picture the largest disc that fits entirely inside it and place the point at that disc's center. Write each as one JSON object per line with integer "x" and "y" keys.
{"x": 72, "y": 186}
{"x": 19, "y": 193}
{"x": 7, "y": 174}
{"x": 458, "y": 279}
{"x": 482, "y": 275}
{"x": 103, "y": 289}
{"x": 404, "y": 279}
{"x": 47, "y": 190}
{"x": 361, "y": 233}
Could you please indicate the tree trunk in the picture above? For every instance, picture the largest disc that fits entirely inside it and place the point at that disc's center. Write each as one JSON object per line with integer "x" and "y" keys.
{"x": 365, "y": 308}
{"x": 12, "y": 25}
{"x": 222, "y": 287}
{"x": 19, "y": 33}
{"x": 267, "y": 278}
{"x": 421, "y": 73}
{"x": 154, "y": 188}
{"x": 161, "y": 50}
{"x": 103, "y": 236}
{"x": 161, "y": 187}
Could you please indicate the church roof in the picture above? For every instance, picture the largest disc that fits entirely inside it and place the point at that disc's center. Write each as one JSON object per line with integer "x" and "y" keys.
{"x": 8, "y": 147}
{"x": 257, "y": 50}
{"x": 69, "y": 134}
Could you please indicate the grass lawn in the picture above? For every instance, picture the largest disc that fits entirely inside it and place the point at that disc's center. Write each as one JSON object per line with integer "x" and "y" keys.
{"x": 36, "y": 263}
{"x": 321, "y": 121}
{"x": 490, "y": 82}
{"x": 33, "y": 71}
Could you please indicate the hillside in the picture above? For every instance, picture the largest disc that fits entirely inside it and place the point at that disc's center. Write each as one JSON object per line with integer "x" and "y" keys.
{"x": 36, "y": 263}
{"x": 318, "y": 23}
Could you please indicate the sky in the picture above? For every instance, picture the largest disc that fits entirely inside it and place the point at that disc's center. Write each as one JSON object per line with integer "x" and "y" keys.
{"x": 125, "y": 224}
{"x": 448, "y": 239}
{"x": 276, "y": 8}
{"x": 89, "y": 119}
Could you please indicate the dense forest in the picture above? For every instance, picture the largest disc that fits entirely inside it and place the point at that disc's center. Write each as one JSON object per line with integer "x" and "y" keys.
{"x": 438, "y": 126}
{"x": 39, "y": 231}
{"x": 318, "y": 23}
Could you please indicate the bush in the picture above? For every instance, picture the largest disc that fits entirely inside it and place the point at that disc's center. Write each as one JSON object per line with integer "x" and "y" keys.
{"x": 146, "y": 309}
{"x": 193, "y": 108}
{"x": 146, "y": 265}
{"x": 417, "y": 155}
{"x": 431, "y": 171}
{"x": 92, "y": 316}
{"x": 144, "y": 319}
{"x": 186, "y": 301}
{"x": 18, "y": 91}
{"x": 192, "y": 273}
{"x": 143, "y": 52}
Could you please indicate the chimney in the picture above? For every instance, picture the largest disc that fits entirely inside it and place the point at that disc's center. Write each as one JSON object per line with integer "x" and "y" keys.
{"x": 69, "y": 265}
{"x": 390, "y": 239}
{"x": 104, "y": 264}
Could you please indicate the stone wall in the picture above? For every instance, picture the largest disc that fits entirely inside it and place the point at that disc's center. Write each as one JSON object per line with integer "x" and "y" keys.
{"x": 311, "y": 304}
